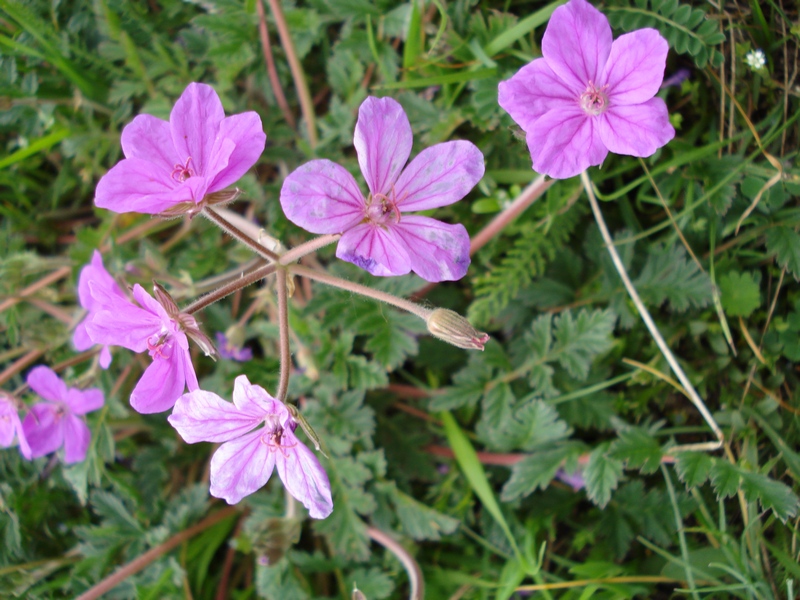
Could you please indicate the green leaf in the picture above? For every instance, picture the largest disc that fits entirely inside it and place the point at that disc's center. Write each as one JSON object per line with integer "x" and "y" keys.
{"x": 740, "y": 294}
{"x": 670, "y": 276}
{"x": 784, "y": 243}
{"x": 535, "y": 423}
{"x": 536, "y": 471}
{"x": 373, "y": 583}
{"x": 693, "y": 468}
{"x": 725, "y": 478}
{"x": 602, "y": 475}
{"x": 771, "y": 494}
{"x": 421, "y": 522}
{"x": 391, "y": 338}
{"x": 579, "y": 340}
{"x": 639, "y": 449}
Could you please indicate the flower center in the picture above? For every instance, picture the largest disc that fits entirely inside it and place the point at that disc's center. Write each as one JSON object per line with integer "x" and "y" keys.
{"x": 182, "y": 172}
{"x": 594, "y": 100}
{"x": 273, "y": 437}
{"x": 157, "y": 346}
{"x": 382, "y": 209}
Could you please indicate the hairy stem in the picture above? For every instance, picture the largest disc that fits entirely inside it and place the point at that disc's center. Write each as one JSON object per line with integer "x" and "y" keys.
{"x": 230, "y": 288}
{"x": 409, "y": 564}
{"x": 283, "y": 340}
{"x": 238, "y": 234}
{"x": 651, "y": 326}
{"x": 272, "y": 72}
{"x": 308, "y": 247}
{"x": 151, "y": 555}
{"x": 412, "y": 307}
{"x": 306, "y": 104}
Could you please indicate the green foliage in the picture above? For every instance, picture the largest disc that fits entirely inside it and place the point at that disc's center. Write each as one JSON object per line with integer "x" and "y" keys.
{"x": 602, "y": 474}
{"x": 740, "y": 294}
{"x": 784, "y": 243}
{"x": 687, "y": 28}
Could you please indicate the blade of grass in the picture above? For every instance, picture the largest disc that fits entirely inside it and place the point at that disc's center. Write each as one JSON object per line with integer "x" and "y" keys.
{"x": 43, "y": 143}
{"x": 521, "y": 29}
{"x": 462, "y": 76}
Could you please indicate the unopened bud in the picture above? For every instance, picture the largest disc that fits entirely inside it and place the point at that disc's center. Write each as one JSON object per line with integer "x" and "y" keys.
{"x": 451, "y": 327}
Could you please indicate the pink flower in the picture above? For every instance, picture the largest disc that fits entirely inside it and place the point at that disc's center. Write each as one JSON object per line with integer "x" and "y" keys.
{"x": 11, "y": 426}
{"x": 55, "y": 423}
{"x": 244, "y": 462}
{"x": 117, "y": 321}
{"x": 198, "y": 152}
{"x": 323, "y": 197}
{"x": 589, "y": 95}
{"x": 96, "y": 273}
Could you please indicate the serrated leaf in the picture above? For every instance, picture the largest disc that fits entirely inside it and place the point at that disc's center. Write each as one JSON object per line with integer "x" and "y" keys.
{"x": 373, "y": 583}
{"x": 496, "y": 419}
{"x": 391, "y": 338}
{"x": 421, "y": 522}
{"x": 579, "y": 340}
{"x": 771, "y": 494}
{"x": 534, "y": 424}
{"x": 536, "y": 471}
{"x": 670, "y": 276}
{"x": 725, "y": 478}
{"x": 740, "y": 294}
{"x": 638, "y": 449}
{"x": 602, "y": 475}
{"x": 784, "y": 243}
{"x": 470, "y": 385}
{"x": 693, "y": 468}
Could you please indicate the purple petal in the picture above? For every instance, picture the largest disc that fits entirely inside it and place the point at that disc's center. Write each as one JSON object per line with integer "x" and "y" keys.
{"x": 635, "y": 67}
{"x": 247, "y": 134}
{"x": 162, "y": 383}
{"x": 47, "y": 384}
{"x": 81, "y": 402}
{"x": 383, "y": 141}
{"x": 121, "y": 323}
{"x": 241, "y": 467}
{"x": 303, "y": 476}
{"x": 76, "y": 439}
{"x": 534, "y": 90}
{"x": 194, "y": 122}
{"x": 134, "y": 186}
{"x": 637, "y": 130}
{"x": 577, "y": 43}
{"x": 255, "y": 400}
{"x": 188, "y": 371}
{"x": 150, "y": 304}
{"x": 43, "y": 429}
{"x": 375, "y": 249}
{"x": 437, "y": 251}
{"x": 563, "y": 143}
{"x": 150, "y": 139}
{"x": 80, "y": 337}
{"x": 105, "y": 357}
{"x": 202, "y": 416}
{"x": 11, "y": 426}
{"x": 95, "y": 272}
{"x": 322, "y": 197}
{"x": 439, "y": 175}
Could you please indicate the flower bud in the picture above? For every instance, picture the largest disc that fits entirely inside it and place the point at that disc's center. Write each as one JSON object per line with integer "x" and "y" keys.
{"x": 454, "y": 329}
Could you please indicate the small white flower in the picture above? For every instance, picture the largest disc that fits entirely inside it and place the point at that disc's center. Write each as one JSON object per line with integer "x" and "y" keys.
{"x": 756, "y": 59}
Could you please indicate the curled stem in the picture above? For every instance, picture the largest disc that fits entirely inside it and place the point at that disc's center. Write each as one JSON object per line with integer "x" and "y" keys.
{"x": 412, "y": 307}
{"x": 409, "y": 564}
{"x": 283, "y": 329}
{"x": 238, "y": 234}
{"x": 691, "y": 393}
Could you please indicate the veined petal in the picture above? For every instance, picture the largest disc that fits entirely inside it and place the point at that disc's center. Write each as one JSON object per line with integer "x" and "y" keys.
{"x": 635, "y": 67}
{"x": 383, "y": 142}
{"x": 534, "y": 90}
{"x": 11, "y": 426}
{"x": 322, "y": 197}
{"x": 576, "y": 43}
{"x": 564, "y": 143}
{"x": 162, "y": 383}
{"x": 303, "y": 476}
{"x": 201, "y": 416}
{"x": 149, "y": 138}
{"x": 95, "y": 271}
{"x": 637, "y": 130}
{"x": 81, "y": 402}
{"x": 437, "y": 251}
{"x": 134, "y": 185}
{"x": 43, "y": 429}
{"x": 76, "y": 439}
{"x": 438, "y": 176}
{"x": 255, "y": 400}
{"x": 121, "y": 323}
{"x": 194, "y": 123}
{"x": 80, "y": 337}
{"x": 241, "y": 467}
{"x": 44, "y": 381}
{"x": 375, "y": 249}
{"x": 247, "y": 134}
